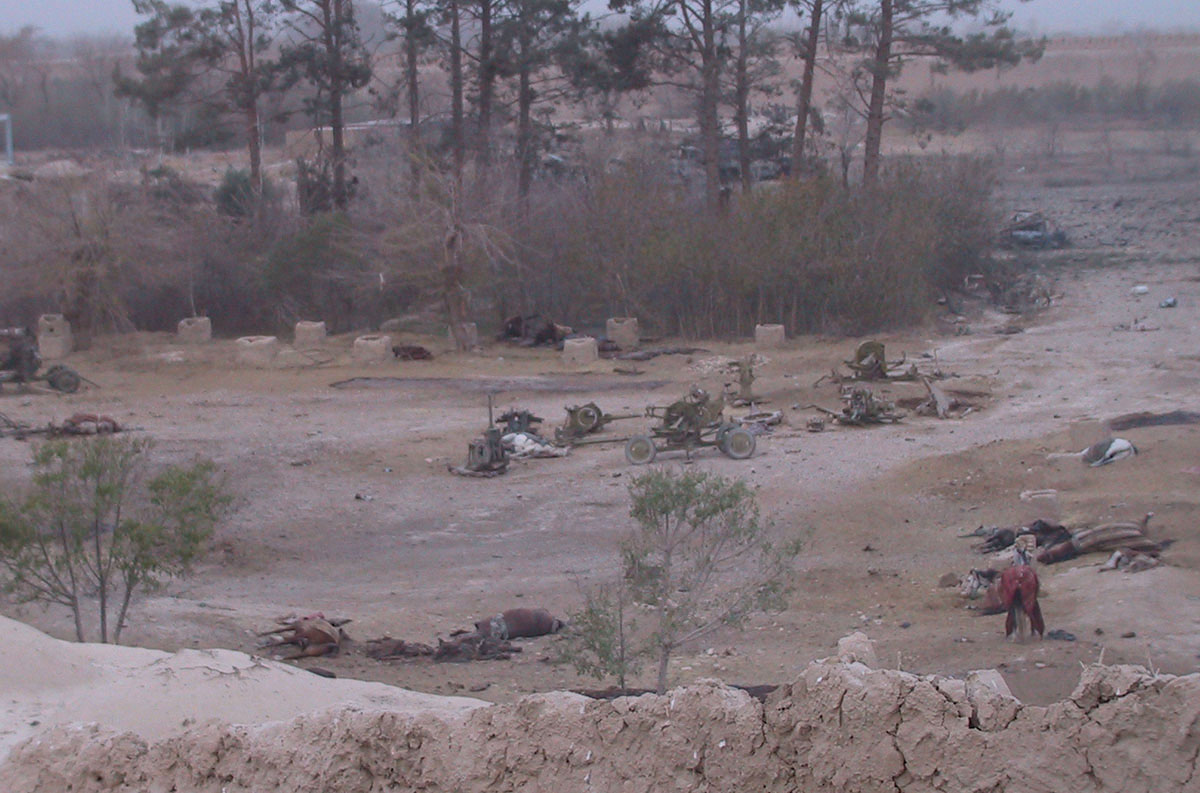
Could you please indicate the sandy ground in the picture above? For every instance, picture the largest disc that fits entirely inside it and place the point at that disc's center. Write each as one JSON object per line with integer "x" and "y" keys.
{"x": 423, "y": 552}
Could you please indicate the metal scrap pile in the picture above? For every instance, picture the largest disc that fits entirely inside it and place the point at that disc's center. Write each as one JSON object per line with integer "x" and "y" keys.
{"x": 521, "y": 439}
{"x": 870, "y": 363}
{"x": 74, "y": 425}
{"x": 1058, "y": 544}
{"x": 862, "y": 408}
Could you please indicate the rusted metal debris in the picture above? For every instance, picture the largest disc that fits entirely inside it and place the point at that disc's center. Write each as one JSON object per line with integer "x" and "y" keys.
{"x": 1032, "y": 229}
{"x": 870, "y": 363}
{"x": 75, "y": 425}
{"x": 486, "y": 456}
{"x": 862, "y": 408}
{"x": 23, "y": 361}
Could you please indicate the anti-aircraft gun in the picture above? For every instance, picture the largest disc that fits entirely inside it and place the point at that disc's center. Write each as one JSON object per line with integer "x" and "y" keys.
{"x": 23, "y": 361}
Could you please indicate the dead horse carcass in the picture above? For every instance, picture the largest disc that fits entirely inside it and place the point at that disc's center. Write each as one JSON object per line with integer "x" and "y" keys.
{"x": 519, "y": 624}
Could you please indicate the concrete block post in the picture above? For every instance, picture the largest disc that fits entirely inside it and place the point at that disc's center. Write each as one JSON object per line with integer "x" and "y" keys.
{"x": 309, "y": 335}
{"x": 623, "y": 331}
{"x": 372, "y": 349}
{"x": 580, "y": 352}
{"x": 769, "y": 337}
{"x": 256, "y": 351}
{"x": 54, "y": 337}
{"x": 470, "y": 336}
{"x": 194, "y": 330}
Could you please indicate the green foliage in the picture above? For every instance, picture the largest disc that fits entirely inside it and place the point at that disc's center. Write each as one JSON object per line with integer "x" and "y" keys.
{"x": 713, "y": 562}
{"x": 326, "y": 49}
{"x": 235, "y": 197}
{"x": 601, "y": 638}
{"x": 92, "y": 526}
{"x": 314, "y": 186}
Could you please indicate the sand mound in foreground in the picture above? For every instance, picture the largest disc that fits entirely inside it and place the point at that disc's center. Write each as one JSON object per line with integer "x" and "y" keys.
{"x": 154, "y": 695}
{"x": 841, "y": 727}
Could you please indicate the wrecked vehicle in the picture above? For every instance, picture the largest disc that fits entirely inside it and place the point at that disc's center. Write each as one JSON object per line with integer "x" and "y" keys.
{"x": 23, "y": 361}
{"x": 1030, "y": 229}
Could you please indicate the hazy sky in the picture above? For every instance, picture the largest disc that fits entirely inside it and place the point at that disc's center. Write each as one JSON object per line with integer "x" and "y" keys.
{"x": 64, "y": 17}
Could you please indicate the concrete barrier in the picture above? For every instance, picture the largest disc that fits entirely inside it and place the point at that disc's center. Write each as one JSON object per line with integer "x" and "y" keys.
{"x": 769, "y": 337}
{"x": 54, "y": 337}
{"x": 309, "y": 335}
{"x": 623, "y": 331}
{"x": 470, "y": 333}
{"x": 372, "y": 348}
{"x": 194, "y": 330}
{"x": 256, "y": 351}
{"x": 580, "y": 352}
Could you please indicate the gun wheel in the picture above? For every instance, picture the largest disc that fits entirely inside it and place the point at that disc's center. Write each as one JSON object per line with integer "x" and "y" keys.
{"x": 588, "y": 417}
{"x": 63, "y": 379}
{"x": 739, "y": 444}
{"x": 639, "y": 450}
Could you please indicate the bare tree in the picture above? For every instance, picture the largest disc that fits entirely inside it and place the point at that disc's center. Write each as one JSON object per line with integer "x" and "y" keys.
{"x": 809, "y": 46}
{"x": 18, "y": 53}
{"x": 533, "y": 42}
{"x": 413, "y": 25}
{"x": 328, "y": 52}
{"x": 182, "y": 48}
{"x": 894, "y": 31}
{"x": 755, "y": 66}
{"x": 694, "y": 49}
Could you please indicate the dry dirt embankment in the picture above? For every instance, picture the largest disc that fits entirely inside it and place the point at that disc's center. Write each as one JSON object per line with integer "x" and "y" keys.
{"x": 840, "y": 727}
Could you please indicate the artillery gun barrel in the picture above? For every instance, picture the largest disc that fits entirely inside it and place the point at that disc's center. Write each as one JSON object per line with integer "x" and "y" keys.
{"x": 597, "y": 440}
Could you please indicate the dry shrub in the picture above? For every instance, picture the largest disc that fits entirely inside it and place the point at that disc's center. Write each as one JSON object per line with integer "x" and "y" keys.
{"x": 632, "y": 239}
{"x": 813, "y": 255}
{"x": 114, "y": 256}
{"x": 93, "y": 249}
